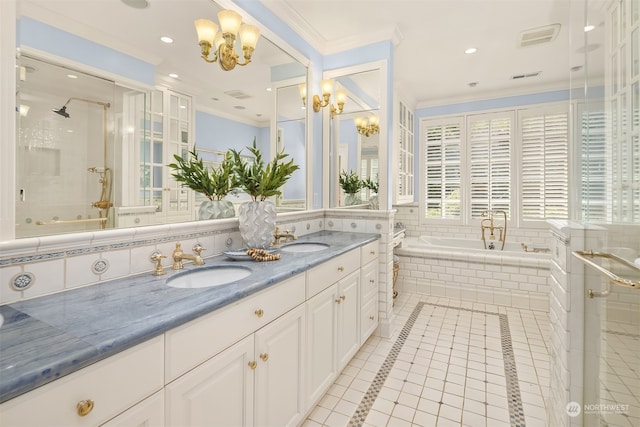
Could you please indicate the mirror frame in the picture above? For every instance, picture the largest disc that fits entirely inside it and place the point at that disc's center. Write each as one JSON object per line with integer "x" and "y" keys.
{"x": 8, "y": 85}
{"x": 385, "y": 130}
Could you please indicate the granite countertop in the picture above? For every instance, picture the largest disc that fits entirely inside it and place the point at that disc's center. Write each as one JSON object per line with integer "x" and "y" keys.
{"x": 45, "y": 338}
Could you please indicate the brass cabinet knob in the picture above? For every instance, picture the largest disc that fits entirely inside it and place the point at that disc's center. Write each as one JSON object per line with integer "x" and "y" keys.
{"x": 372, "y": 318}
{"x": 372, "y": 281}
{"x": 259, "y": 312}
{"x": 343, "y": 297}
{"x": 264, "y": 356}
{"x": 372, "y": 252}
{"x": 84, "y": 407}
{"x": 338, "y": 300}
{"x": 252, "y": 364}
{"x": 341, "y": 268}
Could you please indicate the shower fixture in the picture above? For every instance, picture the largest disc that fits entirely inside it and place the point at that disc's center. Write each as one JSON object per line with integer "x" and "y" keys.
{"x": 62, "y": 111}
{"x": 106, "y": 174}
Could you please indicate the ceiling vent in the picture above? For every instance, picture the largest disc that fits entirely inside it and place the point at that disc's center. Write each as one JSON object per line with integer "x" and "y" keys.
{"x": 540, "y": 35}
{"x": 525, "y": 76}
{"x": 238, "y": 94}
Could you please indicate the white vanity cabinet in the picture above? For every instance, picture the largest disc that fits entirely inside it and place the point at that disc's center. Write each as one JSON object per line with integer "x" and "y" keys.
{"x": 148, "y": 413}
{"x": 368, "y": 290}
{"x": 331, "y": 309}
{"x": 93, "y": 395}
{"x": 257, "y": 380}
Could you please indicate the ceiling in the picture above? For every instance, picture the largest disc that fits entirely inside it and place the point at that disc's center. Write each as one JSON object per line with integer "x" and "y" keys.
{"x": 430, "y": 37}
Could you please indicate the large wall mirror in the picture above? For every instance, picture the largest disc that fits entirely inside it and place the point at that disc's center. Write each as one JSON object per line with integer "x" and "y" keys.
{"x": 93, "y": 141}
{"x": 355, "y": 141}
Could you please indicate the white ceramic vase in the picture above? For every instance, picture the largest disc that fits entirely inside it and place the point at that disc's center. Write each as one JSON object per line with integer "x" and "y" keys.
{"x": 215, "y": 209}
{"x": 257, "y": 223}
{"x": 352, "y": 199}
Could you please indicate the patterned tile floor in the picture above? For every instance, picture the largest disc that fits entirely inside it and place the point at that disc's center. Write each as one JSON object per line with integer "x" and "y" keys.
{"x": 450, "y": 363}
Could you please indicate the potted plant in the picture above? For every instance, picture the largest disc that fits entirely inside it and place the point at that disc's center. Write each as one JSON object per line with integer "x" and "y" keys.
{"x": 373, "y": 187}
{"x": 257, "y": 218}
{"x": 213, "y": 183}
{"x": 351, "y": 184}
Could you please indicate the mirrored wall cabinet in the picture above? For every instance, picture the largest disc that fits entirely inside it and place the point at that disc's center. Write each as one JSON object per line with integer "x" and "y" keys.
{"x": 403, "y": 152}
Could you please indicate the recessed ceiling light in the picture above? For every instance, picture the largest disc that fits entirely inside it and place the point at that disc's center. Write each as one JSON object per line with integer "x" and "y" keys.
{"x": 215, "y": 99}
{"x": 268, "y": 89}
{"x": 473, "y": 84}
{"x": 239, "y": 107}
{"x": 166, "y": 39}
{"x": 470, "y": 50}
{"x": 173, "y": 75}
{"x": 138, "y": 4}
{"x": 588, "y": 28}
{"x": 72, "y": 76}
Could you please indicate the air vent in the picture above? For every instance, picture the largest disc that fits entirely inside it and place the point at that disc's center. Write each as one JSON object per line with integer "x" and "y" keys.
{"x": 540, "y": 35}
{"x": 525, "y": 76}
{"x": 237, "y": 94}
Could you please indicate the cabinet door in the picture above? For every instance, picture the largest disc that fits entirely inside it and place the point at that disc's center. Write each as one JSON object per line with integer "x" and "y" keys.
{"x": 322, "y": 315}
{"x": 217, "y": 393}
{"x": 148, "y": 413}
{"x": 279, "y": 353}
{"x": 348, "y": 318}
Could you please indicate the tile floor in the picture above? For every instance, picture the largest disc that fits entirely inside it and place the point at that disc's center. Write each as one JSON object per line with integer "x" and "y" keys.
{"x": 445, "y": 366}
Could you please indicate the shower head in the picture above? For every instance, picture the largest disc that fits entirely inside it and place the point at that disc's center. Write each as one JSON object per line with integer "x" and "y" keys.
{"x": 62, "y": 111}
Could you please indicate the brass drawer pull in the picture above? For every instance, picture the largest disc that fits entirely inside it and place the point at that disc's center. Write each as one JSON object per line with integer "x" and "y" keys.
{"x": 372, "y": 252}
{"x": 252, "y": 364}
{"x": 259, "y": 312}
{"x": 264, "y": 357}
{"x": 84, "y": 407}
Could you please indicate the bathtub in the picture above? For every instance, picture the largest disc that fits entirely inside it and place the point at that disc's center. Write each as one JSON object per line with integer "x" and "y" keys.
{"x": 464, "y": 269}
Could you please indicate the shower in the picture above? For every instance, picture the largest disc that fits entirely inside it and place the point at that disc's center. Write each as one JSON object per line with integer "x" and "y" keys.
{"x": 105, "y": 173}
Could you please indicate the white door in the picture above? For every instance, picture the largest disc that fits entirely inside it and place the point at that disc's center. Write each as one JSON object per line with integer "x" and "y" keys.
{"x": 348, "y": 318}
{"x": 322, "y": 315}
{"x": 279, "y": 353}
{"x": 217, "y": 393}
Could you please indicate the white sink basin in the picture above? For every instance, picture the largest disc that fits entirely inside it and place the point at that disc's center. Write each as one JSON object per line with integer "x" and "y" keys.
{"x": 208, "y": 277}
{"x": 304, "y": 247}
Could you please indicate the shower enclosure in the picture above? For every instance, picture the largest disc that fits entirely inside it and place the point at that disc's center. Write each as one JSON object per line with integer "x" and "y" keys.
{"x": 608, "y": 132}
{"x": 72, "y": 131}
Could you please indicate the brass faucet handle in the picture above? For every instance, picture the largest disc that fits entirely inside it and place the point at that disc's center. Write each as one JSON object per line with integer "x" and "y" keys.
{"x": 198, "y": 249}
{"x": 157, "y": 257}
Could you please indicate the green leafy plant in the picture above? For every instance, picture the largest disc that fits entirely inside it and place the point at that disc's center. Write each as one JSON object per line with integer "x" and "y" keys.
{"x": 214, "y": 183}
{"x": 350, "y": 182}
{"x": 371, "y": 185}
{"x": 257, "y": 179}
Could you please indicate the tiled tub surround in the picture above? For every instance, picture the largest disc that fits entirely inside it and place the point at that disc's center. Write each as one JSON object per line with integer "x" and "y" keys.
{"x": 45, "y": 338}
{"x": 512, "y": 279}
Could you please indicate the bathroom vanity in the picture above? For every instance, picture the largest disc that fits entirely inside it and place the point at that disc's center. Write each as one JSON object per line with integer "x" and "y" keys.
{"x": 258, "y": 351}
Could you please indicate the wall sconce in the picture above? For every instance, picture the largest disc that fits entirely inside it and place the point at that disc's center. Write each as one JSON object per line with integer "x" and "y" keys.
{"x": 327, "y": 87}
{"x": 367, "y": 127}
{"x": 224, "y": 41}
{"x": 302, "y": 87}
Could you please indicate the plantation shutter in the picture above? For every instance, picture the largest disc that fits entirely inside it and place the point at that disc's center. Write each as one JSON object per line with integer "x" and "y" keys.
{"x": 545, "y": 166}
{"x": 489, "y": 139}
{"x": 442, "y": 143}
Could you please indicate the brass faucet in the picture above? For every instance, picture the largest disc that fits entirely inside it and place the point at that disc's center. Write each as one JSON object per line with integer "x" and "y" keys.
{"x": 488, "y": 224}
{"x": 178, "y": 256}
{"x": 286, "y": 235}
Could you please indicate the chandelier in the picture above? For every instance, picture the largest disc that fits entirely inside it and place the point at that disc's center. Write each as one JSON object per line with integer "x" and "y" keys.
{"x": 224, "y": 41}
{"x": 367, "y": 127}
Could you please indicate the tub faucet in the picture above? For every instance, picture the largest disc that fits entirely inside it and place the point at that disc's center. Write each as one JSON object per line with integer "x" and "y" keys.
{"x": 178, "y": 256}
{"x": 488, "y": 224}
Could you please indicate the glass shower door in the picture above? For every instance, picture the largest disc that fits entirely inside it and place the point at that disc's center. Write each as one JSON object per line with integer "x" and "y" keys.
{"x": 612, "y": 341}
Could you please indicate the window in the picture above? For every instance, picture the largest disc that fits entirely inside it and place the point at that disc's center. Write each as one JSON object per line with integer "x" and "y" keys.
{"x": 494, "y": 161}
{"x": 544, "y": 164}
{"x": 442, "y": 143}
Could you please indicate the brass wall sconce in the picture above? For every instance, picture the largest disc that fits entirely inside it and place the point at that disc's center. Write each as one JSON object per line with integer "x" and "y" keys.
{"x": 224, "y": 41}
{"x": 327, "y": 87}
{"x": 367, "y": 127}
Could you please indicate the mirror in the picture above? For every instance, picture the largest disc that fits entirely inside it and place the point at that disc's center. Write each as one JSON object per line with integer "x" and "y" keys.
{"x": 104, "y": 166}
{"x": 353, "y": 150}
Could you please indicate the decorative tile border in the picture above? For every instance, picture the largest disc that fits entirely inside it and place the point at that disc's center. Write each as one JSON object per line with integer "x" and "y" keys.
{"x": 516, "y": 411}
